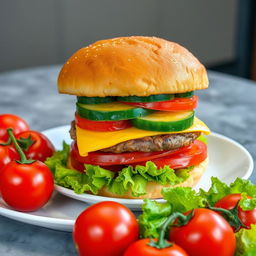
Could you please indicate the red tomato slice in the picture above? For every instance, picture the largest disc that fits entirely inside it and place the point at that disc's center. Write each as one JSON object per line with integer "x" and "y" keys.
{"x": 170, "y": 105}
{"x": 108, "y": 159}
{"x": 193, "y": 156}
{"x": 101, "y": 126}
{"x": 80, "y": 166}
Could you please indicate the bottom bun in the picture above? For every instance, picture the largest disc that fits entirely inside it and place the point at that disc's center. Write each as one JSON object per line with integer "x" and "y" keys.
{"x": 154, "y": 189}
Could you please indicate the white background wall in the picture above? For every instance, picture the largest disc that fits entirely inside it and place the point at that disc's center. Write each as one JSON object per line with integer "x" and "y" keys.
{"x": 42, "y": 32}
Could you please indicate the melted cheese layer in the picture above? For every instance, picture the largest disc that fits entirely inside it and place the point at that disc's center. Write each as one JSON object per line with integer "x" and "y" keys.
{"x": 88, "y": 141}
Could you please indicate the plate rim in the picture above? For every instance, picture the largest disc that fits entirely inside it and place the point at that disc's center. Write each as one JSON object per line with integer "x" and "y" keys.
{"x": 243, "y": 148}
{"x": 29, "y": 216}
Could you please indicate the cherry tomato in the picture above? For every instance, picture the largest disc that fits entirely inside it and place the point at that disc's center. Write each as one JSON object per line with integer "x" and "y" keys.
{"x": 230, "y": 201}
{"x": 207, "y": 233}
{"x": 26, "y": 187}
{"x": 7, "y": 154}
{"x": 141, "y": 248}
{"x": 101, "y": 126}
{"x": 171, "y": 105}
{"x": 193, "y": 156}
{"x": 106, "y": 228}
{"x": 107, "y": 159}
{"x": 41, "y": 147}
{"x": 11, "y": 121}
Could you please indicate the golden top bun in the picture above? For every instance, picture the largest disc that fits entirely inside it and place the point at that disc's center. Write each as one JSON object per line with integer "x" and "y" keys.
{"x": 154, "y": 189}
{"x": 128, "y": 66}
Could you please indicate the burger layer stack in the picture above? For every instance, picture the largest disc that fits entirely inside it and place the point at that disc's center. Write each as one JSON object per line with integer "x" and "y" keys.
{"x": 135, "y": 130}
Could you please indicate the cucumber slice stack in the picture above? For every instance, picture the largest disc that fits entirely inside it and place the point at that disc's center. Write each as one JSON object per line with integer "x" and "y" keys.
{"x": 163, "y": 121}
{"x": 110, "y": 111}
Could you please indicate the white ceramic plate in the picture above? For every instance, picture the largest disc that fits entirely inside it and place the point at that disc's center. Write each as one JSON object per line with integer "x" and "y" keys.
{"x": 59, "y": 213}
{"x": 228, "y": 160}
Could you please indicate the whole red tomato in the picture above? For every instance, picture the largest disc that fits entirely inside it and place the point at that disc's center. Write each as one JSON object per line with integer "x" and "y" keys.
{"x": 207, "y": 233}
{"x": 7, "y": 154}
{"x": 141, "y": 248}
{"x": 26, "y": 187}
{"x": 41, "y": 147}
{"x": 11, "y": 121}
{"x": 106, "y": 228}
{"x": 230, "y": 201}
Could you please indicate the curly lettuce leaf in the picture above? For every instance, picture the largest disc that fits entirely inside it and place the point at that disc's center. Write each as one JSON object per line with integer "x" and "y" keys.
{"x": 182, "y": 199}
{"x": 71, "y": 179}
{"x": 217, "y": 190}
{"x": 154, "y": 215}
{"x": 95, "y": 178}
{"x": 246, "y": 203}
{"x": 59, "y": 158}
{"x": 178, "y": 199}
{"x": 220, "y": 189}
{"x": 246, "y": 242}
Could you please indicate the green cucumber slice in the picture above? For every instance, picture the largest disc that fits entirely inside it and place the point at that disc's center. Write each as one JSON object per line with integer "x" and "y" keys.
{"x": 184, "y": 95}
{"x": 110, "y": 111}
{"x": 94, "y": 100}
{"x": 151, "y": 98}
{"x": 163, "y": 121}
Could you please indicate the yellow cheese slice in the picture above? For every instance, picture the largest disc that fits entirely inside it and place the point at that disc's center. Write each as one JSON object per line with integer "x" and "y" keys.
{"x": 88, "y": 141}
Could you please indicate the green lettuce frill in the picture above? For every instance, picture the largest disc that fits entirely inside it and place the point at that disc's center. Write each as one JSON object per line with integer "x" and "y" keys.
{"x": 94, "y": 178}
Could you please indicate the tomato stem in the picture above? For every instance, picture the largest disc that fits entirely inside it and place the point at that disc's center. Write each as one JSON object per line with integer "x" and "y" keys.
{"x": 23, "y": 158}
{"x": 25, "y": 143}
{"x": 183, "y": 220}
{"x": 231, "y": 216}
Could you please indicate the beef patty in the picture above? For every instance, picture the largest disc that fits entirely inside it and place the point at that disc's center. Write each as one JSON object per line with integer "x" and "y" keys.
{"x": 150, "y": 143}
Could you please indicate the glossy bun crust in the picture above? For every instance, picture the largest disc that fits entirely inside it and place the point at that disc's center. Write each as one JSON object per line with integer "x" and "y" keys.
{"x": 136, "y": 65}
{"x": 154, "y": 189}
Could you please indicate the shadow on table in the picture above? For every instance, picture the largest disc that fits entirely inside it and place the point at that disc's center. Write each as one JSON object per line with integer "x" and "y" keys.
{"x": 19, "y": 239}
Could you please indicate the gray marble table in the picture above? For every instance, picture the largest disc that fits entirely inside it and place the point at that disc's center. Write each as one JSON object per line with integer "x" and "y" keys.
{"x": 228, "y": 107}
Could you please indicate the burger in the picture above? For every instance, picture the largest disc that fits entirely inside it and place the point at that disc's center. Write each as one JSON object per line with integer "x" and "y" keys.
{"x": 134, "y": 129}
